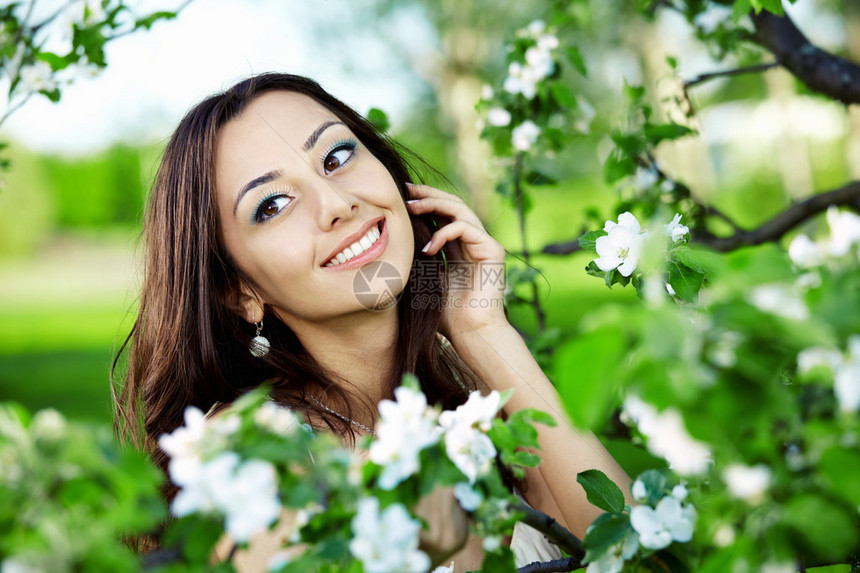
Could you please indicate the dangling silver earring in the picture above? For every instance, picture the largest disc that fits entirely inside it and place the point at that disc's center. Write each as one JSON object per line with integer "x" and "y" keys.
{"x": 259, "y": 346}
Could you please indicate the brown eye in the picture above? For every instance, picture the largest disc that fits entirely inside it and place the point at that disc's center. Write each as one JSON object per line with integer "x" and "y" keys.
{"x": 331, "y": 163}
{"x": 270, "y": 207}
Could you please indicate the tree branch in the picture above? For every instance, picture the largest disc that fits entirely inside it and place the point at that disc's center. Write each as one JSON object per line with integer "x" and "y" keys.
{"x": 821, "y": 71}
{"x": 702, "y": 78}
{"x": 555, "y": 532}
{"x": 556, "y": 566}
{"x": 773, "y": 230}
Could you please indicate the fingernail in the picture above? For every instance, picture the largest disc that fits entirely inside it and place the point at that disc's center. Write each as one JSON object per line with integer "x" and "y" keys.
{"x": 413, "y": 201}
{"x": 427, "y": 246}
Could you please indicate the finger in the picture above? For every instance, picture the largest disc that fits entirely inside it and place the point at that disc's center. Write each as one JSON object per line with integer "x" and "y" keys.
{"x": 419, "y": 191}
{"x": 475, "y": 240}
{"x": 456, "y": 210}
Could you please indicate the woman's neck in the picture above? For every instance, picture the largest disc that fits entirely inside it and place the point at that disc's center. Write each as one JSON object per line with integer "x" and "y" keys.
{"x": 359, "y": 348}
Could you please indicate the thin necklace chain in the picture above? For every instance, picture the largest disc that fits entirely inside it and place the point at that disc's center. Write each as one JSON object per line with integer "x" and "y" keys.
{"x": 341, "y": 416}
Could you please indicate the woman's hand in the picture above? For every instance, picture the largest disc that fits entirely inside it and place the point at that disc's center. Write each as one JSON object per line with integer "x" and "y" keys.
{"x": 476, "y": 274}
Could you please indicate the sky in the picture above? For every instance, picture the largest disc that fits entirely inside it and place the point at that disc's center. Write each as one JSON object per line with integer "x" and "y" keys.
{"x": 153, "y": 77}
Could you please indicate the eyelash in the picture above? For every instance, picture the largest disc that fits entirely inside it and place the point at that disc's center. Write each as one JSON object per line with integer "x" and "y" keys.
{"x": 348, "y": 144}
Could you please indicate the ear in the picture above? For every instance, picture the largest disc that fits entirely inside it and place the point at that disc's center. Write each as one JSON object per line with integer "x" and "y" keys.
{"x": 247, "y": 304}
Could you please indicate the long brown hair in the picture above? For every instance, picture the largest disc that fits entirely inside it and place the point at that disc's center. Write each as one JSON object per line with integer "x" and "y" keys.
{"x": 189, "y": 346}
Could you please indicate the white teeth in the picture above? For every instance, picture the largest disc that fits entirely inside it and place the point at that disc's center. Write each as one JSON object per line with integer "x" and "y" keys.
{"x": 356, "y": 248}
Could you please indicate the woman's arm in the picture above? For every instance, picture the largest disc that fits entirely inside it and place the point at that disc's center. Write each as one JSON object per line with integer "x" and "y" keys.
{"x": 498, "y": 355}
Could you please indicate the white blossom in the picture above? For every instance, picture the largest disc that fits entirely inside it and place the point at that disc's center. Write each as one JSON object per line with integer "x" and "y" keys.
{"x": 185, "y": 440}
{"x": 667, "y": 437}
{"x": 724, "y": 535}
{"x": 536, "y": 28}
{"x": 847, "y": 379}
{"x": 670, "y": 521}
{"x": 469, "y": 498}
{"x": 679, "y": 492}
{"x": 622, "y": 245}
{"x": 48, "y": 424}
{"x": 540, "y": 62}
{"x": 644, "y": 178}
{"x": 817, "y": 356}
{"x": 498, "y": 117}
{"x": 492, "y": 543}
{"x": 804, "y": 252}
{"x": 386, "y": 542}
{"x": 547, "y": 42}
{"x": 670, "y": 290}
{"x": 276, "y": 419}
{"x": 445, "y": 568}
{"x": 36, "y": 77}
{"x": 466, "y": 442}
{"x": 844, "y": 231}
{"x": 709, "y": 19}
{"x": 778, "y": 567}
{"x": 17, "y": 565}
{"x": 405, "y": 427}
{"x": 613, "y": 560}
{"x": 486, "y": 92}
{"x": 747, "y": 483}
{"x": 779, "y": 299}
{"x": 83, "y": 68}
{"x": 586, "y": 114}
{"x": 675, "y": 229}
{"x": 525, "y": 135}
{"x": 639, "y": 492}
{"x": 245, "y": 493}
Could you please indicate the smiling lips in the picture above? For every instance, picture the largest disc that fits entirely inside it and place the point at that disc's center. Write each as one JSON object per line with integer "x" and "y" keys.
{"x": 362, "y": 249}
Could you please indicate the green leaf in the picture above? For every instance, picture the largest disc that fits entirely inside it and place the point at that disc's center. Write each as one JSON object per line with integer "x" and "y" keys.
{"x": 841, "y": 468}
{"x": 147, "y": 22}
{"x": 535, "y": 177}
{"x": 563, "y": 95}
{"x": 574, "y": 56}
{"x": 655, "y": 133}
{"x": 587, "y": 375}
{"x": 601, "y": 491}
{"x": 501, "y": 561}
{"x": 606, "y": 531}
{"x": 740, "y": 9}
{"x": 672, "y": 62}
{"x": 379, "y": 119}
{"x": 633, "y": 94}
{"x": 588, "y": 241}
{"x": 655, "y": 483}
{"x": 826, "y": 529}
{"x": 685, "y": 281}
{"x": 699, "y": 259}
{"x": 618, "y": 166}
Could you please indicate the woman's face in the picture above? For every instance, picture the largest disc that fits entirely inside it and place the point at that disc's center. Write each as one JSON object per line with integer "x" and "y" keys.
{"x": 295, "y": 190}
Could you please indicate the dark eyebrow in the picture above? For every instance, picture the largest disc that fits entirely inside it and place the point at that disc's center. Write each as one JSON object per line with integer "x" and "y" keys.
{"x": 274, "y": 174}
{"x": 317, "y": 132}
{"x": 261, "y": 180}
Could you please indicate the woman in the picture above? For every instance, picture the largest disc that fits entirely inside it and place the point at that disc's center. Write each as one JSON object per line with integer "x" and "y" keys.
{"x": 272, "y": 204}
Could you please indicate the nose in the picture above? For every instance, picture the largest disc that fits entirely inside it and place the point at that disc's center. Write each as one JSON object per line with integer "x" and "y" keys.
{"x": 334, "y": 204}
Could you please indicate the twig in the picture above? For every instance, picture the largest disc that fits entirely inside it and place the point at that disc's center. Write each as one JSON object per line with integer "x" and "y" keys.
{"x": 521, "y": 214}
{"x": 553, "y": 530}
{"x": 555, "y": 566}
{"x": 702, "y": 78}
{"x": 820, "y": 70}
